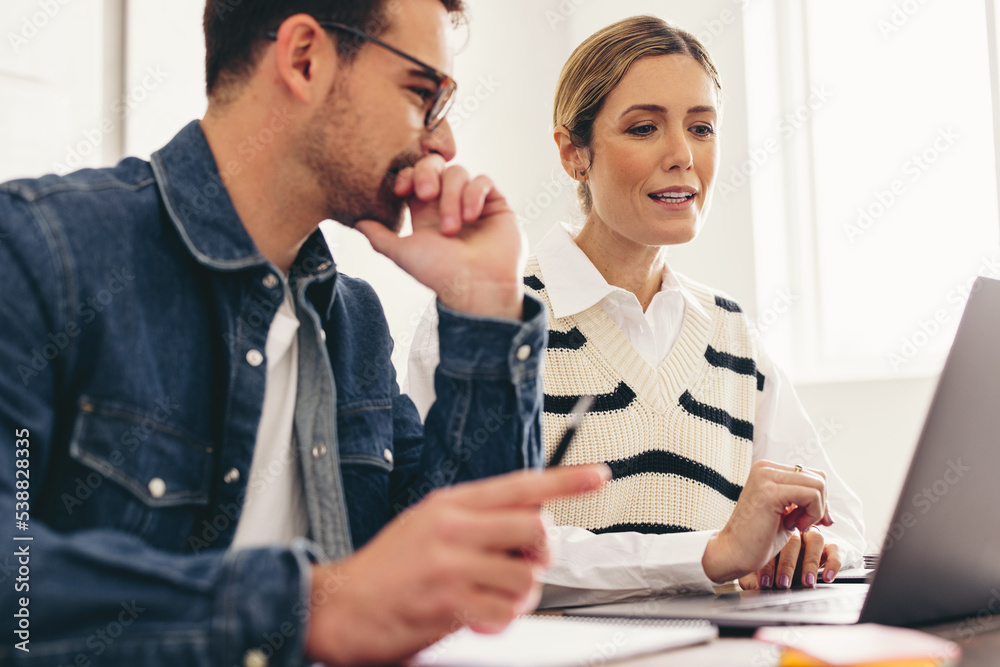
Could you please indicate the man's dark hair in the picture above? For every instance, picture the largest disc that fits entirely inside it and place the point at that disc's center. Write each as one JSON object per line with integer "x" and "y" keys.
{"x": 235, "y": 29}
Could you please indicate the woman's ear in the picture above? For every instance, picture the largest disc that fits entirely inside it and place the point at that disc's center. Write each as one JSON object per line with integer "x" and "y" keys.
{"x": 574, "y": 160}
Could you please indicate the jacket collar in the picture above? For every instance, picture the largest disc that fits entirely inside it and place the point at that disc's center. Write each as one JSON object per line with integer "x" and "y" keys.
{"x": 195, "y": 197}
{"x": 198, "y": 204}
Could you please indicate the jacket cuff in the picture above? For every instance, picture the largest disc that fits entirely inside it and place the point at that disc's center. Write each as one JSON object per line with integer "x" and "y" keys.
{"x": 493, "y": 348}
{"x": 262, "y": 607}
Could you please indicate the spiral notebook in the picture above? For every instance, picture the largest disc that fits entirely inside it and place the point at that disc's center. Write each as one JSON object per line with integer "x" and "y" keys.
{"x": 562, "y": 641}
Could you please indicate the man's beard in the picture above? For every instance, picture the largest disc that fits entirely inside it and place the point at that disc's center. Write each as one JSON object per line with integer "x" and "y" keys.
{"x": 350, "y": 196}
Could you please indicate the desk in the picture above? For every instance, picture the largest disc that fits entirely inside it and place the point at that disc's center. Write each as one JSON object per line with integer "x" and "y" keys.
{"x": 983, "y": 650}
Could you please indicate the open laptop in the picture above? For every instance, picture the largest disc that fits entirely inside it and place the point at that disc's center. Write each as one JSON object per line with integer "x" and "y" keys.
{"x": 940, "y": 560}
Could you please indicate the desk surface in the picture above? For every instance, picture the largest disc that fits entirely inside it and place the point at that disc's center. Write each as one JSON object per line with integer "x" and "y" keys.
{"x": 979, "y": 651}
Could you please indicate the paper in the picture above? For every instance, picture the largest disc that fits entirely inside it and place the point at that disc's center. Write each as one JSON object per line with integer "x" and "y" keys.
{"x": 554, "y": 641}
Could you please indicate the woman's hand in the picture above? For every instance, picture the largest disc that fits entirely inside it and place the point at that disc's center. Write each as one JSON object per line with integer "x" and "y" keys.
{"x": 806, "y": 557}
{"x": 776, "y": 501}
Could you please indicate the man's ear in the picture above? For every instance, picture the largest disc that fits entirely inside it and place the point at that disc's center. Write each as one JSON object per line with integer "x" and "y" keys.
{"x": 306, "y": 59}
{"x": 575, "y": 161}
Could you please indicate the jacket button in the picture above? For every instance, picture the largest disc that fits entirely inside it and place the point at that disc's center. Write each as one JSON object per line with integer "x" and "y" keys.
{"x": 523, "y": 352}
{"x": 232, "y": 476}
{"x": 387, "y": 453}
{"x": 270, "y": 281}
{"x": 254, "y": 658}
{"x": 319, "y": 451}
{"x": 255, "y": 358}
{"x": 157, "y": 487}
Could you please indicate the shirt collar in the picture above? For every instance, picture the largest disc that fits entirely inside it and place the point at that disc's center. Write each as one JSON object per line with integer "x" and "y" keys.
{"x": 574, "y": 284}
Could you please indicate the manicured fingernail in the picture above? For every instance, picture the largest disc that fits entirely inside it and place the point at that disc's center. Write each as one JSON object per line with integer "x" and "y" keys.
{"x": 828, "y": 576}
{"x": 829, "y": 518}
{"x": 784, "y": 581}
{"x": 765, "y": 581}
{"x": 810, "y": 579}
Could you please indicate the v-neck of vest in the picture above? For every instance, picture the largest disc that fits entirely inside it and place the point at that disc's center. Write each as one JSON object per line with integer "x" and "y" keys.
{"x": 660, "y": 387}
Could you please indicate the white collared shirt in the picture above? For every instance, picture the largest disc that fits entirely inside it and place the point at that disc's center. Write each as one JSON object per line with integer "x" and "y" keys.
{"x": 574, "y": 284}
{"x": 592, "y": 569}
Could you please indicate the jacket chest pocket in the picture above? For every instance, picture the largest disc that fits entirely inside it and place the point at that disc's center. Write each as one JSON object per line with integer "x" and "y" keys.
{"x": 142, "y": 475}
{"x": 364, "y": 431}
{"x": 365, "y": 435}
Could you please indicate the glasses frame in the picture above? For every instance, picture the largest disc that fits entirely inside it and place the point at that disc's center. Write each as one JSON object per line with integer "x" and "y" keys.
{"x": 443, "y": 97}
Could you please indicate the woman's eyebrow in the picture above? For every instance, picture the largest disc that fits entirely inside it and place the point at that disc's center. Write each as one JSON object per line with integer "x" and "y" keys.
{"x": 644, "y": 107}
{"x": 659, "y": 109}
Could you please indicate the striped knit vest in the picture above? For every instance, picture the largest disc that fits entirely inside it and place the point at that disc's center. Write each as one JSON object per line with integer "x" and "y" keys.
{"x": 678, "y": 438}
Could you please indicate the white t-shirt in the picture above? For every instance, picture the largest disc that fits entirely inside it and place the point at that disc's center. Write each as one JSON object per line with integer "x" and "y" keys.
{"x": 273, "y": 510}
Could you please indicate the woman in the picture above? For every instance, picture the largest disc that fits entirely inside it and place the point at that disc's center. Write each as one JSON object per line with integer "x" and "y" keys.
{"x": 708, "y": 443}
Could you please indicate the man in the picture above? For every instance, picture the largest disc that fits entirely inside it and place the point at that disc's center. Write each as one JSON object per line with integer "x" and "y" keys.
{"x": 205, "y": 413}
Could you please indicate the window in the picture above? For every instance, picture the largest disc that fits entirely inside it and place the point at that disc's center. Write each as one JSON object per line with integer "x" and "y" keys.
{"x": 881, "y": 205}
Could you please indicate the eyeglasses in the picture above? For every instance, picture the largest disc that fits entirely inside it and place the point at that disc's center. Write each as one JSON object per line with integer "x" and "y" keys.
{"x": 438, "y": 104}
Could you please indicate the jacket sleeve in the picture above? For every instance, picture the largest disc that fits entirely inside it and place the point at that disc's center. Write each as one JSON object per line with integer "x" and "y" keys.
{"x": 487, "y": 416}
{"x": 101, "y": 596}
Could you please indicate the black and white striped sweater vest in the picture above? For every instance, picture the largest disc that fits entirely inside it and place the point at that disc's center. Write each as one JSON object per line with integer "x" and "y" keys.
{"x": 678, "y": 438}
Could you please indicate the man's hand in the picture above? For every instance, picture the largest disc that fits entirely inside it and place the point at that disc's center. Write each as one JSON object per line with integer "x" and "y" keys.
{"x": 776, "y": 500}
{"x": 466, "y": 245}
{"x": 465, "y": 556}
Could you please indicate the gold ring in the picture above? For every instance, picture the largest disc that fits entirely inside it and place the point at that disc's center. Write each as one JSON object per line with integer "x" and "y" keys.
{"x": 798, "y": 468}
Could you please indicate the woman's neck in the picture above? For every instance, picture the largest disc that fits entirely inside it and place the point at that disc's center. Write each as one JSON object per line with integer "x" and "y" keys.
{"x": 623, "y": 263}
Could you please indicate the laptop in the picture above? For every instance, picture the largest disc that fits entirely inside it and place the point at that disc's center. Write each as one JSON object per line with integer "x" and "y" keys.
{"x": 940, "y": 560}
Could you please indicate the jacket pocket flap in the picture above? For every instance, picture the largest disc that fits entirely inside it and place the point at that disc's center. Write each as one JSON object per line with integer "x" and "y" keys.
{"x": 364, "y": 433}
{"x": 157, "y": 463}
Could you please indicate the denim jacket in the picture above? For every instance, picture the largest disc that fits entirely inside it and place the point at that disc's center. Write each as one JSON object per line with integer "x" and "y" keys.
{"x": 134, "y": 310}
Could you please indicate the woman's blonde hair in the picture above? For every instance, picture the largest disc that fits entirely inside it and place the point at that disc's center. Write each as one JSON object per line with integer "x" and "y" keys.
{"x": 599, "y": 64}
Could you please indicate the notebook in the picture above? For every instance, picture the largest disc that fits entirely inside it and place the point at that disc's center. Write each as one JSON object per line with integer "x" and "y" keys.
{"x": 558, "y": 641}
{"x": 940, "y": 560}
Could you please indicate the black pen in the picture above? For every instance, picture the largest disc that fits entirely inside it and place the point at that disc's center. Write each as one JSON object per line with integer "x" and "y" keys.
{"x": 575, "y": 418}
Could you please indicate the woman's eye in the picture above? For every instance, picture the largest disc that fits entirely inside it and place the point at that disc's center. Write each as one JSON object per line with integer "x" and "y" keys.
{"x": 642, "y": 130}
{"x": 703, "y": 130}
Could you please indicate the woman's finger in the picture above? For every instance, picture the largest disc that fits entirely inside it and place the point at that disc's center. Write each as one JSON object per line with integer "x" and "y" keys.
{"x": 812, "y": 551}
{"x": 787, "y": 561}
{"x": 830, "y": 562}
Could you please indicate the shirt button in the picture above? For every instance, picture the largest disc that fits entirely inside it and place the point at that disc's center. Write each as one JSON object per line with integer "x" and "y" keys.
{"x": 523, "y": 352}
{"x": 254, "y": 658}
{"x": 319, "y": 450}
{"x": 322, "y": 334}
{"x": 232, "y": 476}
{"x": 270, "y": 281}
{"x": 387, "y": 453}
{"x": 157, "y": 487}
{"x": 255, "y": 358}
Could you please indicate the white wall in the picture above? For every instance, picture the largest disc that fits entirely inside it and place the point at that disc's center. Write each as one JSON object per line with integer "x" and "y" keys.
{"x": 502, "y": 120}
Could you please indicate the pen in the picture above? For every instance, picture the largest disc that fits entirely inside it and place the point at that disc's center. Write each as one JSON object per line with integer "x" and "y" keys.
{"x": 575, "y": 418}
